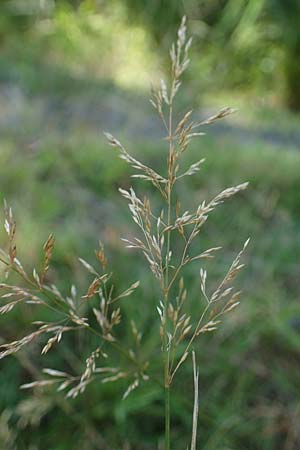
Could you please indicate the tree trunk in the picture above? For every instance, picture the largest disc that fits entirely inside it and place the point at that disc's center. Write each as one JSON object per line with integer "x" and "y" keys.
{"x": 292, "y": 74}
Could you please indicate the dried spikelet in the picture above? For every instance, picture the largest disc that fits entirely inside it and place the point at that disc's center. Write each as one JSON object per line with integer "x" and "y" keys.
{"x": 212, "y": 325}
{"x": 136, "y": 243}
{"x": 65, "y": 384}
{"x": 181, "y": 361}
{"x": 147, "y": 173}
{"x": 36, "y": 278}
{"x": 55, "y": 373}
{"x": 20, "y": 268}
{"x": 232, "y": 303}
{"x": 86, "y": 377}
{"x": 220, "y": 115}
{"x": 183, "y": 137}
{"x": 182, "y": 123}
{"x": 9, "y": 306}
{"x": 40, "y": 383}
{"x": 101, "y": 319}
{"x": 131, "y": 388}
{"x": 90, "y": 370}
{"x": 185, "y": 331}
{"x": 203, "y": 275}
{"x": 164, "y": 91}
{"x": 181, "y": 33}
{"x": 181, "y": 329}
{"x": 56, "y": 338}
{"x": 116, "y": 377}
{"x": 156, "y": 101}
{"x": 231, "y": 307}
{"x": 207, "y": 254}
{"x": 171, "y": 312}
{"x": 82, "y": 321}
{"x": 127, "y": 292}
{"x": 48, "y": 249}
{"x": 55, "y": 291}
{"x": 231, "y": 274}
{"x": 101, "y": 255}
{"x": 51, "y": 341}
{"x": 106, "y": 323}
{"x": 15, "y": 346}
{"x": 147, "y": 214}
{"x": 90, "y": 365}
{"x": 107, "y": 369}
{"x": 194, "y": 168}
{"x": 19, "y": 294}
{"x": 214, "y": 311}
{"x": 10, "y": 228}
{"x": 200, "y": 217}
{"x": 151, "y": 247}
{"x": 115, "y": 317}
{"x": 181, "y": 284}
{"x": 137, "y": 334}
{"x": 227, "y": 193}
{"x": 88, "y": 267}
{"x": 179, "y": 55}
{"x": 93, "y": 289}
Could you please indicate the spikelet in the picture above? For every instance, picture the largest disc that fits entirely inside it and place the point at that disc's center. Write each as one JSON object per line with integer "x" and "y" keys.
{"x": 48, "y": 249}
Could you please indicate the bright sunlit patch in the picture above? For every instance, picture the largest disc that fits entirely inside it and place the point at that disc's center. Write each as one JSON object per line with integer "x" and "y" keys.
{"x": 102, "y": 45}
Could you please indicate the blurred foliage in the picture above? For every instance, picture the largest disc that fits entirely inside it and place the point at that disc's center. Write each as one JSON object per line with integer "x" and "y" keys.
{"x": 287, "y": 15}
{"x": 61, "y": 64}
{"x": 264, "y": 35}
{"x": 239, "y": 44}
{"x": 162, "y": 17}
{"x": 246, "y": 42}
{"x": 63, "y": 42}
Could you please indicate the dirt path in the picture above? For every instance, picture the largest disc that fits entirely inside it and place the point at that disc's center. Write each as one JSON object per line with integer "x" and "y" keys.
{"x": 40, "y": 115}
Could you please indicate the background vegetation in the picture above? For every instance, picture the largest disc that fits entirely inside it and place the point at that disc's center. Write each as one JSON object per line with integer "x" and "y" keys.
{"x": 68, "y": 71}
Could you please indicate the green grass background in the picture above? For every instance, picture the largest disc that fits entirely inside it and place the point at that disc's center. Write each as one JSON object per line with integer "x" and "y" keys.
{"x": 60, "y": 176}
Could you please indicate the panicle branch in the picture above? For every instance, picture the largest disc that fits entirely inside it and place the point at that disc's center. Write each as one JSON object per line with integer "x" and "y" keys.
{"x": 177, "y": 327}
{"x": 39, "y": 292}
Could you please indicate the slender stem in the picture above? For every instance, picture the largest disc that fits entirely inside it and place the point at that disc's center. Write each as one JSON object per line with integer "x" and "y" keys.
{"x": 165, "y": 337}
{"x": 165, "y": 343}
{"x": 167, "y": 417}
{"x": 166, "y": 350}
{"x": 182, "y": 262}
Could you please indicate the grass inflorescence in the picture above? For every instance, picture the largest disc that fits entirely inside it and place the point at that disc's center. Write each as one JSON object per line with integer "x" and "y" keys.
{"x": 168, "y": 238}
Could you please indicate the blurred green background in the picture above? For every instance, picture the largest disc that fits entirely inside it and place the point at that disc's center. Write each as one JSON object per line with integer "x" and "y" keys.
{"x": 68, "y": 71}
